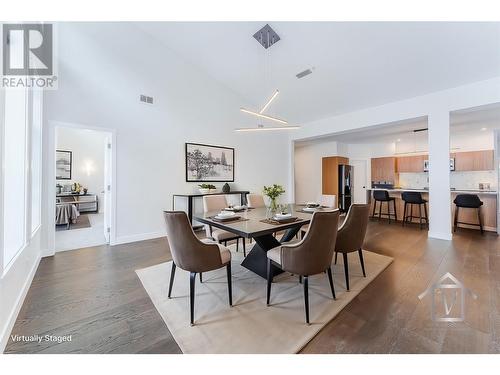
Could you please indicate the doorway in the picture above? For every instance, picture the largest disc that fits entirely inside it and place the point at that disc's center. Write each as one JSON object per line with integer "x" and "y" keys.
{"x": 359, "y": 180}
{"x": 82, "y": 180}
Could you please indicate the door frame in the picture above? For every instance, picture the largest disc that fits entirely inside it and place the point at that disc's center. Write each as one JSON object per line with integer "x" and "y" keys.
{"x": 50, "y": 178}
{"x": 367, "y": 177}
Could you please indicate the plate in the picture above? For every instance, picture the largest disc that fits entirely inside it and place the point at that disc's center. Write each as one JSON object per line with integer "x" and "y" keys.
{"x": 309, "y": 209}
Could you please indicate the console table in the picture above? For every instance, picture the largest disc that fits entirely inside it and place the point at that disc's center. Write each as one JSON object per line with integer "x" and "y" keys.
{"x": 190, "y": 198}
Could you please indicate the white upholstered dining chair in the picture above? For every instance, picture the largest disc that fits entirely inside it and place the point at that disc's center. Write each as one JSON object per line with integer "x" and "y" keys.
{"x": 218, "y": 203}
{"x": 255, "y": 201}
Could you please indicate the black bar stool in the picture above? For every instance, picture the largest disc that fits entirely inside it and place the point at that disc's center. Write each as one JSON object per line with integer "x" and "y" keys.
{"x": 411, "y": 198}
{"x": 468, "y": 201}
{"x": 382, "y": 196}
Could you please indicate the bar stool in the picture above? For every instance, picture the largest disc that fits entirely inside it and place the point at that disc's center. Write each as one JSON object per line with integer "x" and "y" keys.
{"x": 411, "y": 198}
{"x": 382, "y": 196}
{"x": 468, "y": 201}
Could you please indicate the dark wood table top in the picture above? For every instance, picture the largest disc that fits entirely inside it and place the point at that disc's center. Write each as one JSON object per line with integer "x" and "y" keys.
{"x": 252, "y": 226}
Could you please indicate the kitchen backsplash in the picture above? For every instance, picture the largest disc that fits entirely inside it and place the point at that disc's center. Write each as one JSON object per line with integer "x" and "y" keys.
{"x": 458, "y": 180}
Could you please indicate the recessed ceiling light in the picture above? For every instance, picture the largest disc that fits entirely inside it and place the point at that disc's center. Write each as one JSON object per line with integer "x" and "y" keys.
{"x": 483, "y": 129}
{"x": 398, "y": 140}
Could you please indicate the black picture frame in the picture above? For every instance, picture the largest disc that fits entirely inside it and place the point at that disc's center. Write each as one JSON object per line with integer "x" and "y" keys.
{"x": 229, "y": 174}
{"x": 59, "y": 154}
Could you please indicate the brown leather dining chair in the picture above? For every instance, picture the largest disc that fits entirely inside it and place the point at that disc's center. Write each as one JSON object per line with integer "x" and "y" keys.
{"x": 351, "y": 236}
{"x": 193, "y": 255}
{"x": 310, "y": 256}
{"x": 218, "y": 203}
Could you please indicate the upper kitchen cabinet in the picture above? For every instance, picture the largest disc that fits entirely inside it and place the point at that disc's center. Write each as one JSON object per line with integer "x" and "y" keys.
{"x": 474, "y": 160}
{"x": 410, "y": 164}
{"x": 384, "y": 169}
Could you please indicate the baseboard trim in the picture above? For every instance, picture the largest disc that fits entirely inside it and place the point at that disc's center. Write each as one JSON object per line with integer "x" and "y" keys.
{"x": 138, "y": 237}
{"x": 4, "y": 336}
{"x": 439, "y": 236}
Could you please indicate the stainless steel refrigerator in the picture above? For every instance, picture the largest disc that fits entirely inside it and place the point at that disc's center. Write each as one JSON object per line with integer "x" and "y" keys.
{"x": 346, "y": 174}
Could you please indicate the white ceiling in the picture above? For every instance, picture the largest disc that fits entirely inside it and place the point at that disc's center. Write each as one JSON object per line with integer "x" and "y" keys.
{"x": 357, "y": 65}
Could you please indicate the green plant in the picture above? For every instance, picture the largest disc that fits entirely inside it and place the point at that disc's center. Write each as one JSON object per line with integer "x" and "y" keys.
{"x": 273, "y": 192}
{"x": 207, "y": 186}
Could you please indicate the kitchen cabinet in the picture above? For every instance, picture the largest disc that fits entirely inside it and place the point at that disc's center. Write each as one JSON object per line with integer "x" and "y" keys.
{"x": 330, "y": 174}
{"x": 474, "y": 160}
{"x": 411, "y": 164}
{"x": 384, "y": 170}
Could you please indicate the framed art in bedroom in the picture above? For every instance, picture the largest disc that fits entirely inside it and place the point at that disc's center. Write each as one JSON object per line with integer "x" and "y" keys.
{"x": 64, "y": 160}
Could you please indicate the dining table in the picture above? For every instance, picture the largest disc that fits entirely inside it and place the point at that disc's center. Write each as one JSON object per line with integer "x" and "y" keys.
{"x": 257, "y": 223}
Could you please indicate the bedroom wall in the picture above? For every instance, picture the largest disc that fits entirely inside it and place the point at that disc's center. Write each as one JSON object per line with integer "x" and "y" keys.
{"x": 87, "y": 147}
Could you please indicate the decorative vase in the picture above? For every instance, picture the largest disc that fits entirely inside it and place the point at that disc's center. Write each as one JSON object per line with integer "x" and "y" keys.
{"x": 273, "y": 205}
{"x": 226, "y": 188}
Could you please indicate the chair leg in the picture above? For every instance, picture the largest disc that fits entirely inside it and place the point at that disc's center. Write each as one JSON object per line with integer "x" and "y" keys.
{"x": 336, "y": 257}
{"x": 201, "y": 278}
{"x": 269, "y": 280}
{"x": 225, "y": 243}
{"x": 361, "y": 260}
{"x": 379, "y": 210}
{"x": 389, "y": 210}
{"x": 410, "y": 218}
{"x": 455, "y": 220}
{"x": 404, "y": 214}
{"x": 229, "y": 283}
{"x": 420, "y": 215}
{"x": 306, "y": 297}
{"x": 395, "y": 211}
{"x": 237, "y": 244}
{"x": 244, "y": 246}
{"x": 425, "y": 212}
{"x": 480, "y": 221}
{"x": 374, "y": 208}
{"x": 172, "y": 275}
{"x": 192, "y": 281}
{"x": 330, "y": 279}
{"x": 300, "y": 279}
{"x": 346, "y": 271}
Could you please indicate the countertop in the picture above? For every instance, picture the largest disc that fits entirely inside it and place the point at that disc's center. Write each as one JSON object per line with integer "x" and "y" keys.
{"x": 464, "y": 191}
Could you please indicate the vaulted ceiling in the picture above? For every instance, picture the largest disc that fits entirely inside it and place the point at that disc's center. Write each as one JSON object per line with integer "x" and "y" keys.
{"x": 356, "y": 64}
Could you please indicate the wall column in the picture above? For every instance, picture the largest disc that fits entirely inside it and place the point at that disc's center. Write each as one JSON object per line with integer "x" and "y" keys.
{"x": 439, "y": 175}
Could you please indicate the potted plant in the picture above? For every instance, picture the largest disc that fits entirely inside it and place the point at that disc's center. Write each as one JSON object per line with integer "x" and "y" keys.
{"x": 273, "y": 192}
{"x": 206, "y": 188}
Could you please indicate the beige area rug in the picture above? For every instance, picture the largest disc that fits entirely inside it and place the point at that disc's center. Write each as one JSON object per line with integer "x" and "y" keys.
{"x": 250, "y": 326}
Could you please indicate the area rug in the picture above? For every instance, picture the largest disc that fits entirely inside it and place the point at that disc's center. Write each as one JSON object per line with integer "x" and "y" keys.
{"x": 81, "y": 222}
{"x": 250, "y": 326}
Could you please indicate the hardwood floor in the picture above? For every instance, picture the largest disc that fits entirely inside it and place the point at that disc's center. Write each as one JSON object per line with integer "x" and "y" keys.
{"x": 94, "y": 295}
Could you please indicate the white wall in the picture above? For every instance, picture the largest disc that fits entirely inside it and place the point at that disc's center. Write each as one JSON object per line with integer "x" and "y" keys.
{"x": 307, "y": 169}
{"x": 87, "y": 147}
{"x": 103, "y": 68}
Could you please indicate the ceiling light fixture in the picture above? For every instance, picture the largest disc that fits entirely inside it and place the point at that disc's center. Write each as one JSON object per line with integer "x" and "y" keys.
{"x": 264, "y": 116}
{"x": 262, "y": 128}
{"x": 483, "y": 129}
{"x": 267, "y": 37}
{"x": 269, "y": 101}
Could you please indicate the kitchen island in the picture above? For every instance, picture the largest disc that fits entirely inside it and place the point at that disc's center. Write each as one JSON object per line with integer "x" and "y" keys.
{"x": 488, "y": 210}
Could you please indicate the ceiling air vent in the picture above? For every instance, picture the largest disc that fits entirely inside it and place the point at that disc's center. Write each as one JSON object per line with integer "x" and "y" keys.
{"x": 304, "y": 73}
{"x": 146, "y": 99}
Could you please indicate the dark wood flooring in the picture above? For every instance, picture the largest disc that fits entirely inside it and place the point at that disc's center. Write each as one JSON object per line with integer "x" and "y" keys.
{"x": 94, "y": 295}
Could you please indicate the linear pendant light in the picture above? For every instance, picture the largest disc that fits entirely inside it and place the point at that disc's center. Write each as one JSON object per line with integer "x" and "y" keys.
{"x": 266, "y": 37}
{"x": 264, "y": 116}
{"x": 261, "y": 128}
{"x": 269, "y": 101}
